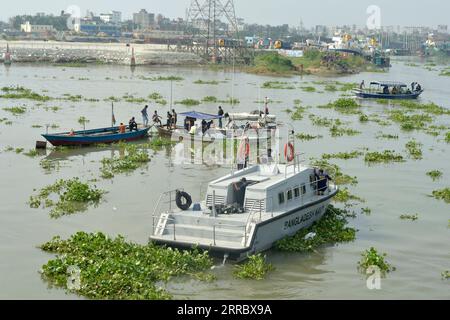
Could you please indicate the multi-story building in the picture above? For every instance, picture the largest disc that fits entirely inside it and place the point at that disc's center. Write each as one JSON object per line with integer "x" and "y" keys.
{"x": 113, "y": 17}
{"x": 144, "y": 19}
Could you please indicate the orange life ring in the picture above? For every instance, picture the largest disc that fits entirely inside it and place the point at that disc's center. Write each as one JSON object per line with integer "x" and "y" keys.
{"x": 289, "y": 155}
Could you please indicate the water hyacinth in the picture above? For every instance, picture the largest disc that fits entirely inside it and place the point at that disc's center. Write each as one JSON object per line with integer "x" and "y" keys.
{"x": 255, "y": 268}
{"x": 371, "y": 258}
{"x": 112, "y": 268}
{"x": 329, "y": 230}
{"x": 72, "y": 196}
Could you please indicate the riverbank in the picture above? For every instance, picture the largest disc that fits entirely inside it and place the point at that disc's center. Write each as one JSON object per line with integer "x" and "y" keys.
{"x": 105, "y": 53}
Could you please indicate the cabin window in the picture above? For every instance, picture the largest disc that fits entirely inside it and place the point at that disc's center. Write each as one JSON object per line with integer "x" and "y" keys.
{"x": 303, "y": 189}
{"x": 289, "y": 195}
{"x": 296, "y": 192}
{"x": 281, "y": 198}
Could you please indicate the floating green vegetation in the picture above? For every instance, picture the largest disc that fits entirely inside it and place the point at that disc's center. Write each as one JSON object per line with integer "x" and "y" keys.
{"x": 8, "y": 123}
{"x": 130, "y": 99}
{"x": 308, "y": 89}
{"x": 371, "y": 258}
{"x": 230, "y": 100}
{"x": 72, "y": 98}
{"x": 16, "y": 110}
{"x": 188, "y": 102}
{"x": 367, "y": 211}
{"x": 445, "y": 73}
{"x": 330, "y": 88}
{"x": 445, "y": 275}
{"x": 435, "y": 174}
{"x": 83, "y": 120}
{"x": 344, "y": 196}
{"x": 212, "y": 82}
{"x": 72, "y": 196}
{"x": 3, "y": 120}
{"x": 83, "y": 79}
{"x": 307, "y": 137}
{"x": 54, "y": 108}
{"x": 22, "y": 93}
{"x": 9, "y": 149}
{"x": 277, "y": 85}
{"x": 337, "y": 131}
{"x": 343, "y": 155}
{"x": 386, "y": 136}
{"x": 35, "y": 126}
{"x": 344, "y": 106}
{"x": 410, "y": 122}
{"x": 155, "y": 96}
{"x": 329, "y": 230}
{"x": 133, "y": 159}
{"x": 443, "y": 194}
{"x": 113, "y": 269}
{"x": 32, "y": 153}
{"x": 431, "y": 108}
{"x": 412, "y": 217}
{"x": 363, "y": 118}
{"x": 323, "y": 121}
{"x": 162, "y": 78}
{"x": 112, "y": 99}
{"x": 158, "y": 143}
{"x": 298, "y": 113}
{"x": 414, "y": 149}
{"x": 447, "y": 137}
{"x": 255, "y": 268}
{"x": 210, "y": 99}
{"x": 386, "y": 156}
{"x": 49, "y": 166}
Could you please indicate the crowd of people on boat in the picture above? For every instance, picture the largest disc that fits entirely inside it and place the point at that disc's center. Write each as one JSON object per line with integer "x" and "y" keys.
{"x": 396, "y": 89}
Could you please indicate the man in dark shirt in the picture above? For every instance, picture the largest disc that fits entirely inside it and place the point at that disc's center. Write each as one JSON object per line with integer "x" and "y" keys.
{"x": 132, "y": 124}
{"x": 220, "y": 113}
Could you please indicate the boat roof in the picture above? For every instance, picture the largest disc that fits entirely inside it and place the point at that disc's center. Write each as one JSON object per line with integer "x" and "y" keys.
{"x": 389, "y": 83}
{"x": 200, "y": 115}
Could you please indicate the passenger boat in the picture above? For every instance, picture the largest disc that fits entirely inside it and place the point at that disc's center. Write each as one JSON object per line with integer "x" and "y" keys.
{"x": 256, "y": 127}
{"x": 244, "y": 212}
{"x": 95, "y": 136}
{"x": 383, "y": 90}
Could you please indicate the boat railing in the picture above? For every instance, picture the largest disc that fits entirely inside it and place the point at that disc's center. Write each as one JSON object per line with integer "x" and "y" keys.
{"x": 295, "y": 163}
{"x": 165, "y": 198}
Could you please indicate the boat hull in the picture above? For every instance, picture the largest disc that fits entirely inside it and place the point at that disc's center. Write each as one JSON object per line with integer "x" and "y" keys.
{"x": 96, "y": 136}
{"x": 266, "y": 233}
{"x": 367, "y": 95}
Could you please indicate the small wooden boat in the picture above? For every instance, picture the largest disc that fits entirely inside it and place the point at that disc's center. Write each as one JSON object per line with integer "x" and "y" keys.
{"x": 388, "y": 90}
{"x": 95, "y": 136}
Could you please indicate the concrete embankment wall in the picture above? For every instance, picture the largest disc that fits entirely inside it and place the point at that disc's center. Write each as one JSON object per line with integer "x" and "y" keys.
{"x": 118, "y": 53}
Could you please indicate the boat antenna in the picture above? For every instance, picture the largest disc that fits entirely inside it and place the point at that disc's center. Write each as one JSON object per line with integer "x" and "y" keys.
{"x": 113, "y": 118}
{"x": 171, "y": 94}
{"x": 232, "y": 82}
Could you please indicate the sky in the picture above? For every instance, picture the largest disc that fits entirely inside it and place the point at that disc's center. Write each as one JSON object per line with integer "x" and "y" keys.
{"x": 274, "y": 12}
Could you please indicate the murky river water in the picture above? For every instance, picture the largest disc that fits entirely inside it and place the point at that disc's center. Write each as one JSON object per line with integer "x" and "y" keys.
{"x": 419, "y": 250}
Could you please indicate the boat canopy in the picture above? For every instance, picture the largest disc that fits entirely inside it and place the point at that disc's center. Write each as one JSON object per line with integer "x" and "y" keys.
{"x": 388, "y": 84}
{"x": 200, "y": 115}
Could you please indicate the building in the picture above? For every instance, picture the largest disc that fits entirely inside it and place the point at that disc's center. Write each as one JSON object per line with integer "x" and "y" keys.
{"x": 143, "y": 19}
{"x": 114, "y": 17}
{"x": 27, "y": 27}
{"x": 93, "y": 29}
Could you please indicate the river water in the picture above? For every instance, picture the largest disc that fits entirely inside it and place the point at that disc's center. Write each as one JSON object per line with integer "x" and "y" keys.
{"x": 419, "y": 250}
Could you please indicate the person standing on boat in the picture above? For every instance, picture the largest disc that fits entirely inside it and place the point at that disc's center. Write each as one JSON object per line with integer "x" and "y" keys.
{"x": 174, "y": 119}
{"x": 220, "y": 114}
{"x": 418, "y": 87}
{"x": 132, "y": 124}
{"x": 412, "y": 86}
{"x": 169, "y": 120}
{"x": 156, "y": 118}
{"x": 145, "y": 116}
{"x": 362, "y": 85}
{"x": 266, "y": 106}
{"x": 322, "y": 181}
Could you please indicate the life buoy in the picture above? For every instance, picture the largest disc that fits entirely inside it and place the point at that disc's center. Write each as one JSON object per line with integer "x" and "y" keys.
{"x": 289, "y": 151}
{"x": 183, "y": 200}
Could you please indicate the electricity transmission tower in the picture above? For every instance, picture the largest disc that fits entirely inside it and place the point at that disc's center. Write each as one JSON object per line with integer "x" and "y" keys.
{"x": 205, "y": 21}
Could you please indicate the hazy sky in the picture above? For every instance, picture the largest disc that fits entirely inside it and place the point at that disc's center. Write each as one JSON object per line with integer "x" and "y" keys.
{"x": 312, "y": 12}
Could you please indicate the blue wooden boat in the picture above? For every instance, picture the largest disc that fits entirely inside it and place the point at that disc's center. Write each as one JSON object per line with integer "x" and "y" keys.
{"x": 385, "y": 89}
{"x": 95, "y": 136}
